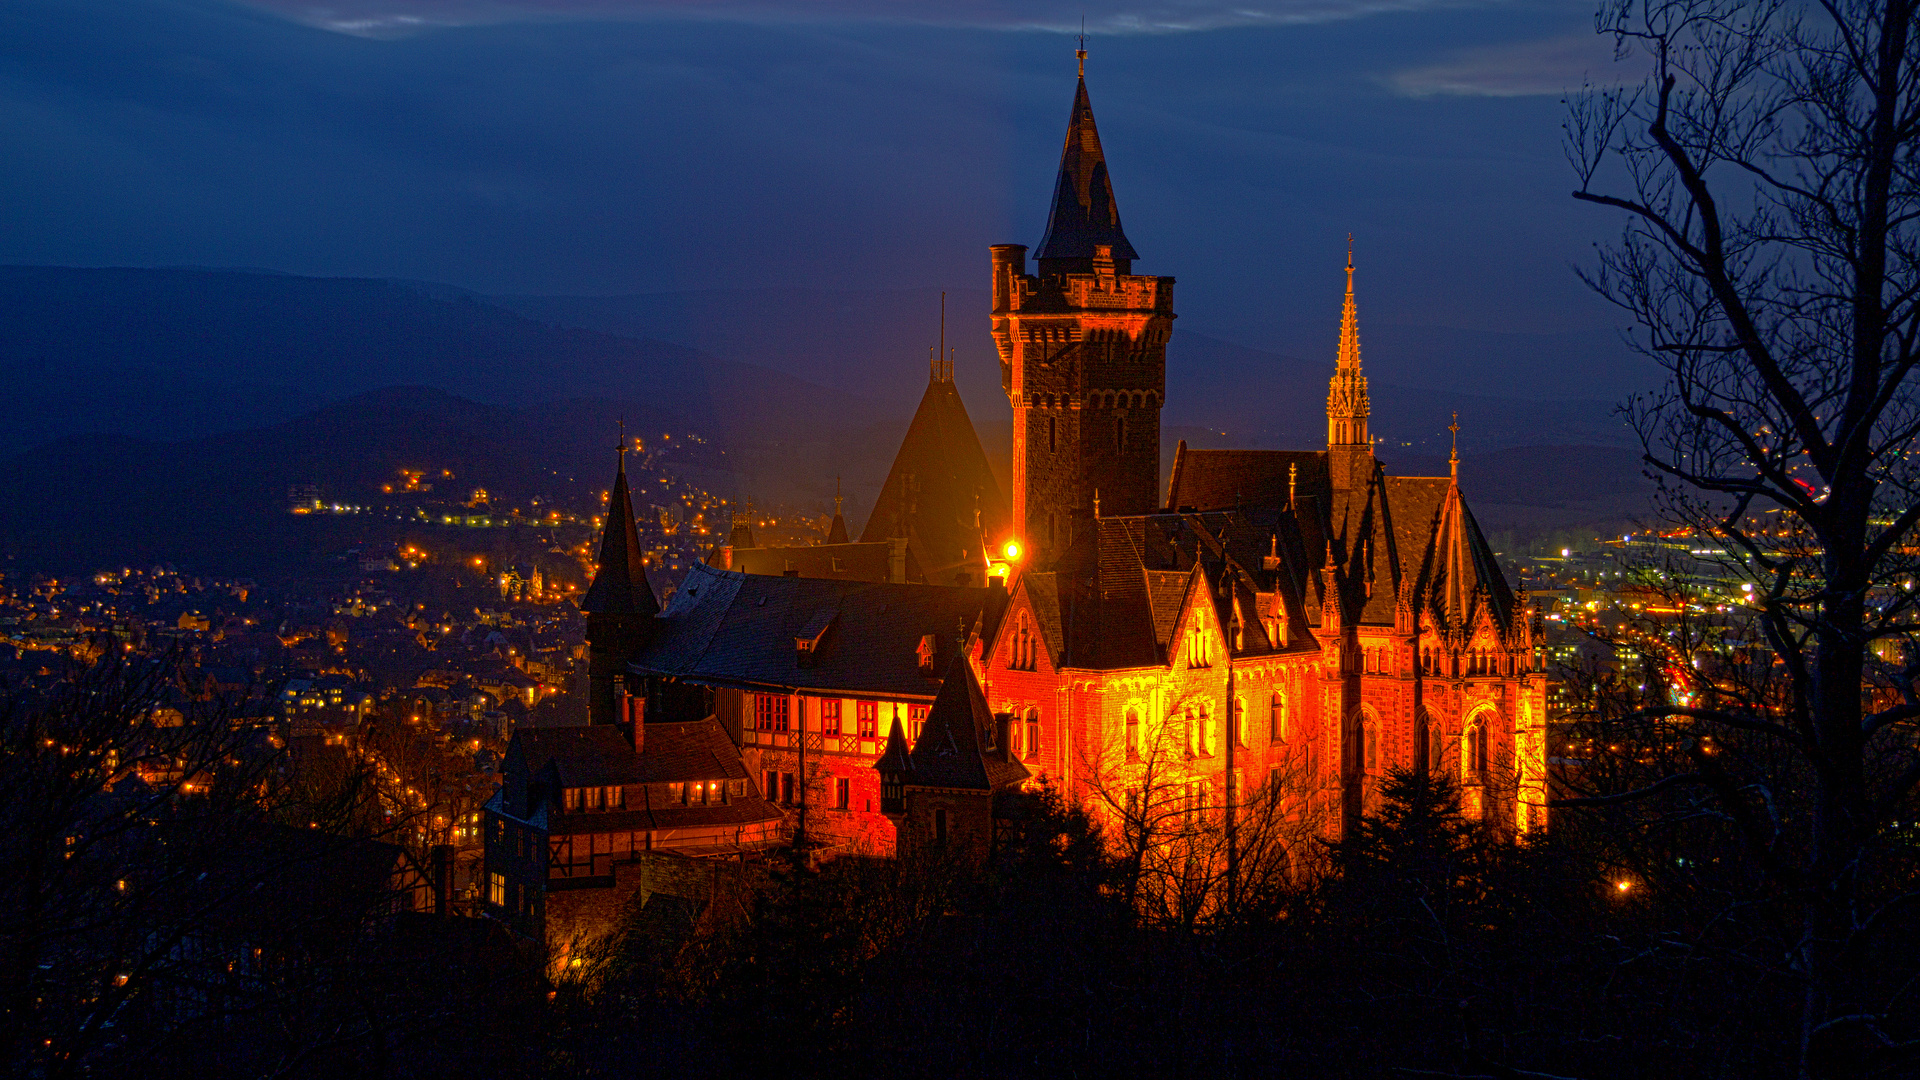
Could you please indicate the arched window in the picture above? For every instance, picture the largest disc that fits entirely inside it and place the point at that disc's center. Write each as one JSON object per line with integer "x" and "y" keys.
{"x": 1239, "y": 724}
{"x": 1033, "y": 734}
{"x": 1133, "y": 734}
{"x": 1052, "y": 435}
{"x": 1370, "y": 743}
{"x": 1207, "y": 734}
{"x": 1277, "y": 718}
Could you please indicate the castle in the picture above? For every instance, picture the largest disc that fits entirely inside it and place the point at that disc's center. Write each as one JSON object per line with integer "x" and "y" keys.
{"x": 1293, "y": 622}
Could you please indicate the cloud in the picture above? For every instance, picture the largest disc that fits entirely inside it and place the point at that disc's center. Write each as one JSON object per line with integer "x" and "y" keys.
{"x": 397, "y": 18}
{"x": 1521, "y": 69}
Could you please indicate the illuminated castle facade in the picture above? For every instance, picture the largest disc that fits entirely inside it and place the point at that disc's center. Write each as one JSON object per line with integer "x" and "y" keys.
{"x": 1280, "y": 621}
{"x": 1294, "y": 618}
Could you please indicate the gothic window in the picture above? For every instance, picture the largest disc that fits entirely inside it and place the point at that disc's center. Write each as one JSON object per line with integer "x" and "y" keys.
{"x": 1204, "y": 740}
{"x": 1133, "y": 734}
{"x": 1052, "y": 434}
{"x": 1033, "y": 733}
{"x": 1239, "y": 721}
{"x": 1119, "y": 434}
{"x": 1370, "y": 735}
{"x": 1277, "y": 718}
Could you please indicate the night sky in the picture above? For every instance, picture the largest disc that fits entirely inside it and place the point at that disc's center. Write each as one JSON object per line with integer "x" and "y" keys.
{"x": 554, "y": 146}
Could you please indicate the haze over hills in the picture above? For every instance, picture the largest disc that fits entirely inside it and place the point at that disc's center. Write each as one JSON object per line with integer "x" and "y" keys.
{"x": 163, "y": 413}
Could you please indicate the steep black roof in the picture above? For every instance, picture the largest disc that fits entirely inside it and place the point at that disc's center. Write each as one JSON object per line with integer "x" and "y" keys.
{"x": 939, "y": 486}
{"x": 1084, "y": 214}
{"x": 620, "y": 577}
{"x": 953, "y": 750}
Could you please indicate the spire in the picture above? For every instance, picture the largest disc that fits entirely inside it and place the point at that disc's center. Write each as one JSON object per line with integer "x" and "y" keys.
{"x": 1347, "y": 405}
{"x": 1084, "y": 217}
{"x": 1453, "y": 456}
{"x": 837, "y": 532}
{"x": 620, "y": 576}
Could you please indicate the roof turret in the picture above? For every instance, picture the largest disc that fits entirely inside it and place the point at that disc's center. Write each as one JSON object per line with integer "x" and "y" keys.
{"x": 620, "y": 575}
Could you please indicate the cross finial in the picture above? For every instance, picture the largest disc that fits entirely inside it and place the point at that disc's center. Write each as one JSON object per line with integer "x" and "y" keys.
{"x": 1081, "y": 52}
{"x": 623, "y": 444}
{"x": 1453, "y": 456}
{"x": 836, "y": 496}
{"x": 1349, "y": 251}
{"x": 1293, "y": 475}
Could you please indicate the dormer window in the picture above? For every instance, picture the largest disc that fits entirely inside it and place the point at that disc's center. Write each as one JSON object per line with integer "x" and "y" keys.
{"x": 929, "y": 644}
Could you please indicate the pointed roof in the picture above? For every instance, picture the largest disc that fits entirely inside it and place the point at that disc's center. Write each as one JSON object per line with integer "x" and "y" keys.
{"x": 1084, "y": 213}
{"x": 620, "y": 576}
{"x": 940, "y": 494}
{"x": 837, "y": 532}
{"x": 952, "y": 749}
{"x": 898, "y": 758}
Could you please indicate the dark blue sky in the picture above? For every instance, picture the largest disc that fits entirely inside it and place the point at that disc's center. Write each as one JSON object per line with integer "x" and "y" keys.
{"x": 620, "y": 145}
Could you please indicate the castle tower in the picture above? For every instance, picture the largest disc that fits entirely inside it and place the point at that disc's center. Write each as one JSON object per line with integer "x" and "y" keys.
{"x": 619, "y": 605}
{"x": 1349, "y": 446}
{"x": 1083, "y": 355}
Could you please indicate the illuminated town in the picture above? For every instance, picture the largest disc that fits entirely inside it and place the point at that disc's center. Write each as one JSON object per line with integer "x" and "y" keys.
{"x": 575, "y": 677}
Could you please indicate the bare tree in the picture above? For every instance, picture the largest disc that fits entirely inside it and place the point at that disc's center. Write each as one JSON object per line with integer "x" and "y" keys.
{"x": 1771, "y": 260}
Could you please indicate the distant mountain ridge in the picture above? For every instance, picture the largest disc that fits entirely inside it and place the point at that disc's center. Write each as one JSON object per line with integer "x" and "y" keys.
{"x": 186, "y": 353}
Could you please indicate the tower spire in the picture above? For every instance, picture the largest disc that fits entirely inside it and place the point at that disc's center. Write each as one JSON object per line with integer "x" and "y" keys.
{"x": 1347, "y": 405}
{"x": 1453, "y": 456}
{"x": 1080, "y": 53}
{"x": 1084, "y": 217}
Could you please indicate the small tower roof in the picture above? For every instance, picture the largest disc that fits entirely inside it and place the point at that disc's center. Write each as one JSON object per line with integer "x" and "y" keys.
{"x": 837, "y": 532}
{"x": 897, "y": 759}
{"x": 620, "y": 576}
{"x": 952, "y": 749}
{"x": 1084, "y": 213}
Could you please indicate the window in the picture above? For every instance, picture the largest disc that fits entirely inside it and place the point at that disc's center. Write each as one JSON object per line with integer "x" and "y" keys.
{"x": 1277, "y": 718}
{"x": 1199, "y": 648}
{"x": 842, "y": 794}
{"x": 830, "y": 716}
{"x": 772, "y": 788}
{"x": 770, "y": 712}
{"x": 1119, "y": 434}
{"x": 595, "y": 797}
{"x": 616, "y": 798}
{"x": 916, "y": 719}
{"x": 1033, "y": 734}
{"x": 677, "y": 793}
{"x": 497, "y": 890}
{"x": 1205, "y": 739}
{"x": 1051, "y": 433}
{"x": 1133, "y": 735}
{"x": 867, "y": 715}
{"x": 1239, "y": 724}
{"x": 939, "y": 824}
{"x": 786, "y": 788}
{"x": 571, "y": 800}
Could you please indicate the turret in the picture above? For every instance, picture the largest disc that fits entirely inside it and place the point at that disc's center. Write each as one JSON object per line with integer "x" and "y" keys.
{"x": 620, "y": 607}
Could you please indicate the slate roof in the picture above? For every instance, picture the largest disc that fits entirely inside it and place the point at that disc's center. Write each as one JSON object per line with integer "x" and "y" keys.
{"x": 725, "y": 628}
{"x": 620, "y": 575}
{"x": 586, "y": 756}
{"x": 1084, "y": 212}
{"x": 952, "y": 750}
{"x": 600, "y": 756}
{"x": 941, "y": 494}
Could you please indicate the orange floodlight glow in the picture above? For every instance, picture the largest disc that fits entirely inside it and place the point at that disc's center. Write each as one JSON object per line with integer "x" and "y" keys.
{"x": 1013, "y": 551}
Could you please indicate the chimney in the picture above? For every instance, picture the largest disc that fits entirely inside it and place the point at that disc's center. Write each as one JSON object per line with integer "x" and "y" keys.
{"x": 633, "y": 718}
